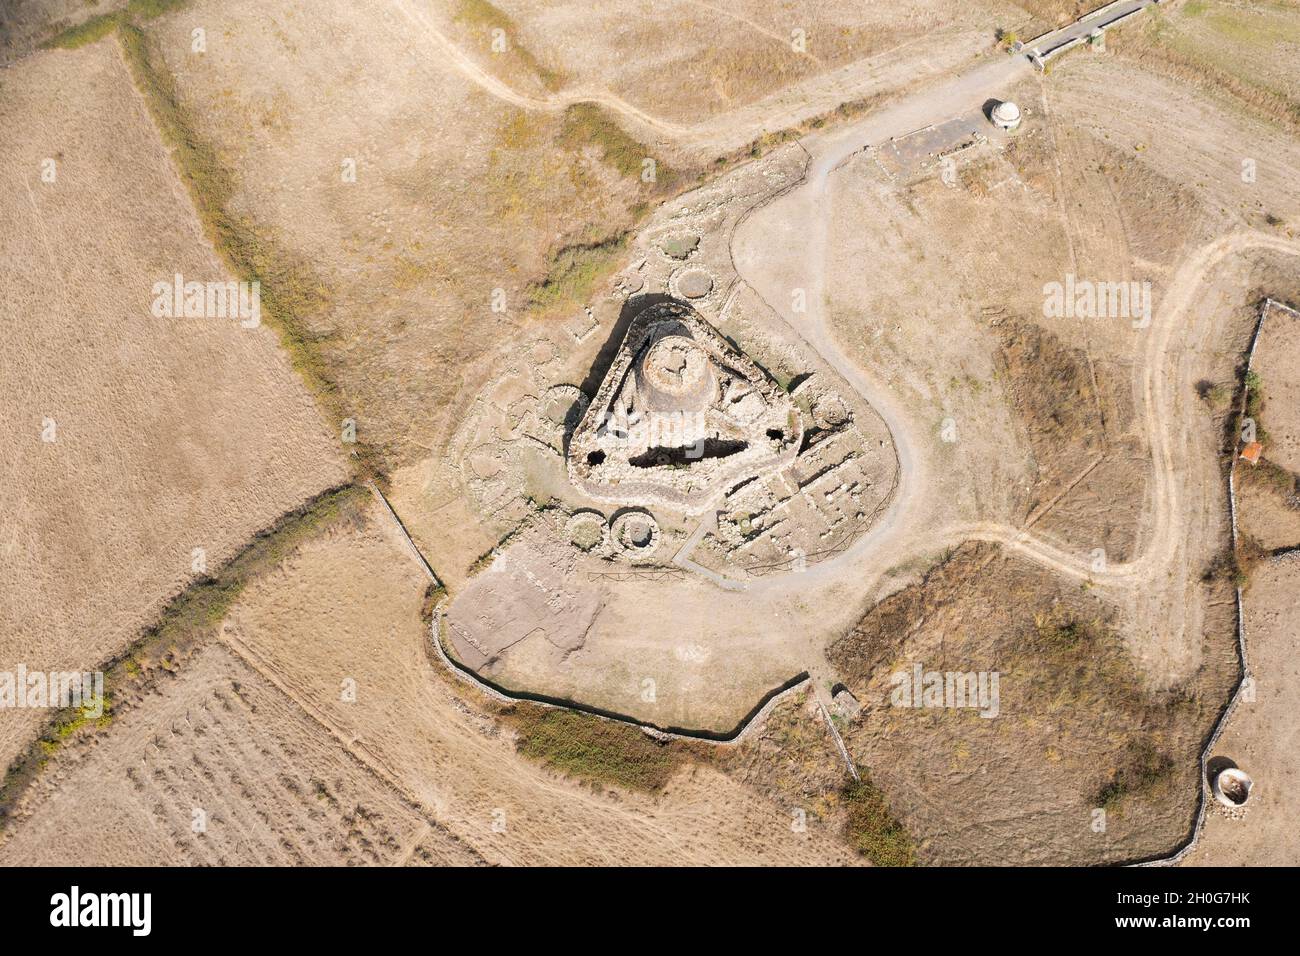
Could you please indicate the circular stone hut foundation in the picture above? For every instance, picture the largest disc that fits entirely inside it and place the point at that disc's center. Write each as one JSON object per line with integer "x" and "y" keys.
{"x": 587, "y": 531}
{"x": 562, "y": 407}
{"x": 636, "y": 533}
{"x": 693, "y": 284}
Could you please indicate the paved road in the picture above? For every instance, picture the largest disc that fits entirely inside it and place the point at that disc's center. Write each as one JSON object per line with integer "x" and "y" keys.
{"x": 1053, "y": 43}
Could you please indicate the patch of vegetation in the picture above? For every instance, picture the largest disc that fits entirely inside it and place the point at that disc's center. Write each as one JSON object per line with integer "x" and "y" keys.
{"x": 433, "y": 596}
{"x": 1274, "y": 477}
{"x": 188, "y": 621}
{"x": 1065, "y": 635}
{"x": 1052, "y": 388}
{"x": 1248, "y": 555}
{"x": 484, "y": 560}
{"x": 1142, "y": 769}
{"x": 83, "y": 34}
{"x": 1085, "y": 659}
{"x": 519, "y": 130}
{"x": 595, "y": 750}
{"x": 98, "y": 27}
{"x": 589, "y": 124}
{"x": 1075, "y": 663}
{"x": 148, "y": 9}
{"x": 1254, "y": 393}
{"x": 1254, "y": 407}
{"x": 290, "y": 290}
{"x": 574, "y": 272}
{"x": 1216, "y": 395}
{"x": 481, "y": 563}
{"x": 872, "y": 828}
{"x": 681, "y": 247}
{"x": 484, "y": 16}
{"x": 587, "y": 535}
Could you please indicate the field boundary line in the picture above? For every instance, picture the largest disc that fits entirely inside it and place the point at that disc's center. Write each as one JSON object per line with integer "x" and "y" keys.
{"x": 1244, "y": 677}
{"x": 406, "y": 535}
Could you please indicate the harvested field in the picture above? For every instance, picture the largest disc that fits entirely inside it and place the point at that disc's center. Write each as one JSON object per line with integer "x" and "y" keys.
{"x": 221, "y": 749}
{"x": 1200, "y": 145}
{"x": 413, "y": 767}
{"x": 1239, "y": 52}
{"x": 146, "y": 450}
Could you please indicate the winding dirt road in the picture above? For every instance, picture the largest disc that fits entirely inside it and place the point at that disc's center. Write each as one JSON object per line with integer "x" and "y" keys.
{"x": 889, "y": 69}
{"x": 1175, "y": 492}
{"x": 788, "y": 237}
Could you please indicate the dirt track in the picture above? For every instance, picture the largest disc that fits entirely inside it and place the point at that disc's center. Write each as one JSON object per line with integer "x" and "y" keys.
{"x": 892, "y": 68}
{"x": 1177, "y": 495}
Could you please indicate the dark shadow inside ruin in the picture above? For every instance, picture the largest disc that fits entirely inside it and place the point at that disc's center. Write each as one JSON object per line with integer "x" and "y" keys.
{"x": 686, "y": 454}
{"x": 605, "y": 358}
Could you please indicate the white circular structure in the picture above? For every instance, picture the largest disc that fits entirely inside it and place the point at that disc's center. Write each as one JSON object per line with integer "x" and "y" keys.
{"x": 1232, "y": 787}
{"x": 1006, "y": 115}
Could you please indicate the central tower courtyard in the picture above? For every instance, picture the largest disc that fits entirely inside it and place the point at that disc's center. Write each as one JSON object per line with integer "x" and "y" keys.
{"x": 681, "y": 418}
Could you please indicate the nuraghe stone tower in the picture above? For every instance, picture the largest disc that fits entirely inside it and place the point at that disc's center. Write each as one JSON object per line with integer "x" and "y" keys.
{"x": 680, "y": 418}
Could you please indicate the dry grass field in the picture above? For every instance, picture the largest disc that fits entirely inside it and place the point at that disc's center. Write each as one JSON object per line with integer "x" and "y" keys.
{"x": 136, "y": 439}
{"x": 25, "y": 24}
{"x": 700, "y": 59}
{"x": 1078, "y": 726}
{"x": 459, "y": 203}
{"x": 499, "y": 208}
{"x": 445, "y": 230}
{"x": 1241, "y": 53}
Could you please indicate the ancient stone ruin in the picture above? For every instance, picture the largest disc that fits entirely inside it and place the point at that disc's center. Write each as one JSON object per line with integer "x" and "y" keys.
{"x": 681, "y": 417}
